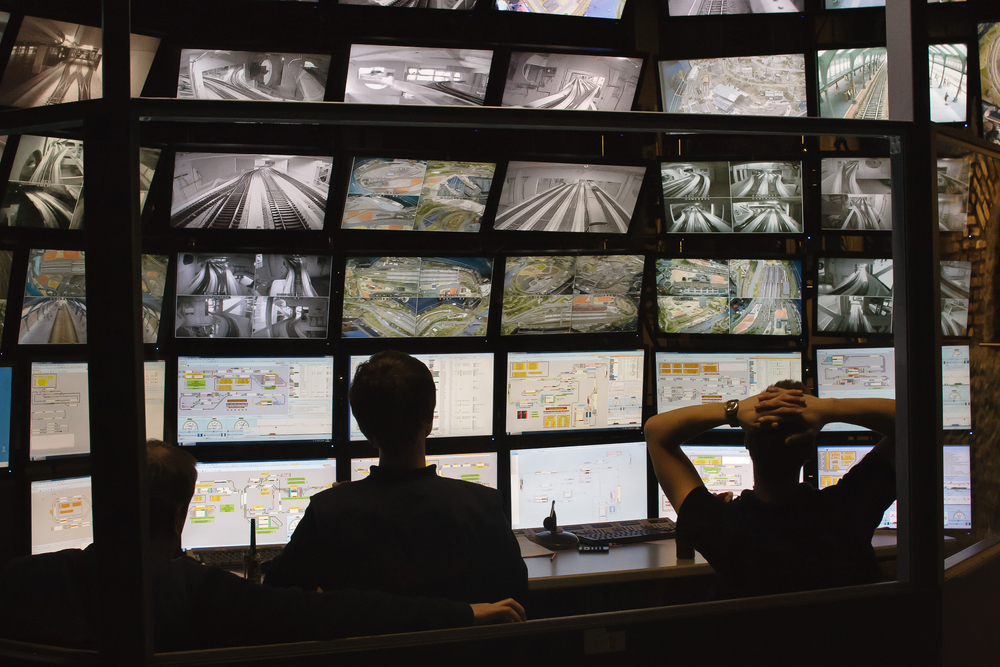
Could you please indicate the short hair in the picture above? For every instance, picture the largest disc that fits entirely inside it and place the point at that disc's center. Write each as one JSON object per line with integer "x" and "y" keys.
{"x": 172, "y": 476}
{"x": 771, "y": 442}
{"x": 392, "y": 398}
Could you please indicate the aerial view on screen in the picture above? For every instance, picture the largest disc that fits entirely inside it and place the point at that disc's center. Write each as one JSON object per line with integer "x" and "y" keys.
{"x": 746, "y": 86}
{"x": 252, "y": 75}
{"x": 249, "y": 191}
{"x": 571, "y": 81}
{"x": 852, "y": 84}
{"x": 592, "y": 294}
{"x": 554, "y": 197}
{"x": 856, "y": 194}
{"x": 46, "y": 184}
{"x": 738, "y": 296}
{"x": 948, "y": 82}
{"x": 423, "y": 4}
{"x": 743, "y": 197}
{"x": 52, "y": 62}
{"x": 416, "y": 75}
{"x": 416, "y": 296}
{"x": 989, "y": 76}
{"x": 233, "y": 295}
{"x": 854, "y": 295}
{"x": 422, "y": 195}
{"x": 956, "y": 278}
{"x": 55, "y": 304}
{"x": 721, "y": 7}
{"x": 6, "y": 257}
{"x": 953, "y": 176}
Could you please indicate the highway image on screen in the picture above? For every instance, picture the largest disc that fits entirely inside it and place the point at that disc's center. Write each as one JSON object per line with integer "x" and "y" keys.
{"x": 590, "y": 294}
{"x": 52, "y": 62}
{"x": 236, "y": 295}
{"x": 153, "y": 279}
{"x": 59, "y": 423}
{"x": 748, "y": 197}
{"x": 722, "y": 469}
{"x": 853, "y": 83}
{"x": 45, "y": 189}
{"x": 422, "y": 195}
{"x": 866, "y": 372}
{"x": 747, "y": 86}
{"x": 554, "y": 197}
{"x": 589, "y": 484}
{"x": 416, "y": 296}
{"x": 234, "y": 400}
{"x": 856, "y": 194}
{"x": 854, "y": 295}
{"x": 953, "y": 175}
{"x": 464, "y": 384}
{"x": 61, "y": 515}
{"x": 602, "y": 9}
{"x": 722, "y": 7}
{"x": 413, "y": 75}
{"x": 249, "y": 191}
{"x": 250, "y": 75}
{"x": 55, "y": 304}
{"x": 573, "y": 391}
{"x": 956, "y": 278}
{"x": 571, "y": 81}
{"x": 956, "y": 397}
{"x": 475, "y": 468}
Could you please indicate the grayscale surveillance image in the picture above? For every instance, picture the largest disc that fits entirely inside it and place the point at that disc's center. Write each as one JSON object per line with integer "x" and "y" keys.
{"x": 567, "y": 81}
{"x": 721, "y": 7}
{"x": 956, "y": 280}
{"x": 854, "y": 295}
{"x": 250, "y": 191}
{"x": 953, "y": 176}
{"x": 416, "y": 75}
{"x": 947, "y": 66}
{"x": 52, "y": 62}
{"x": 153, "y": 280}
{"x": 856, "y": 194}
{"x": 418, "y": 4}
{"x": 744, "y": 86}
{"x": 46, "y": 184}
{"x": 853, "y": 84}
{"x": 252, "y": 75}
{"x": 148, "y": 158}
{"x": 554, "y": 197}
{"x": 55, "y": 298}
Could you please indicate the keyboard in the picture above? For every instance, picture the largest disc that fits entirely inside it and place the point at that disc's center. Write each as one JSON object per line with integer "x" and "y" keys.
{"x": 233, "y": 558}
{"x": 644, "y": 531}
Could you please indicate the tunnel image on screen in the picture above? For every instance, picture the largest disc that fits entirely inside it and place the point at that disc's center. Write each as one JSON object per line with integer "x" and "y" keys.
{"x": 422, "y": 195}
{"x": 52, "y": 62}
{"x": 723, "y": 7}
{"x": 416, "y": 296}
{"x": 853, "y": 84}
{"x": 55, "y": 298}
{"x": 953, "y": 176}
{"x": 414, "y": 75}
{"x": 602, "y": 9}
{"x": 554, "y": 197}
{"x": 153, "y": 279}
{"x": 249, "y": 191}
{"x": 589, "y": 294}
{"x": 571, "y": 81}
{"x": 235, "y": 295}
{"x": 250, "y": 75}
{"x": 420, "y": 4}
{"x": 148, "y": 159}
{"x": 46, "y": 184}
{"x": 747, "y": 86}
{"x": 956, "y": 278}
{"x": 856, "y": 194}
{"x": 854, "y": 295}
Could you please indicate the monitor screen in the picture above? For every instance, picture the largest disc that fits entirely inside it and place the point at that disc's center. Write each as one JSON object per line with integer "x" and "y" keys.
{"x": 61, "y": 515}
{"x": 234, "y": 295}
{"x": 957, "y": 388}
{"x": 148, "y": 159}
{"x": 557, "y": 197}
{"x": 5, "y": 380}
{"x": 684, "y": 379}
{"x": 835, "y": 460}
{"x": 226, "y": 400}
{"x": 745, "y": 86}
{"x": 601, "y": 9}
{"x": 856, "y": 194}
{"x": 853, "y": 83}
{"x": 60, "y": 410}
{"x": 716, "y": 8}
{"x": 6, "y": 258}
{"x": 990, "y": 81}
{"x": 382, "y": 74}
{"x": 948, "y": 82}
{"x": 860, "y": 372}
{"x": 419, "y": 195}
{"x": 416, "y": 296}
{"x": 574, "y": 391}
{"x": 250, "y": 191}
{"x": 560, "y": 294}
{"x": 153, "y": 280}
{"x": 953, "y": 176}
{"x": 252, "y": 75}
{"x": 425, "y": 4}
{"x": 476, "y": 468}
{"x": 154, "y": 382}
{"x": 734, "y": 296}
{"x": 854, "y": 4}
{"x": 721, "y": 467}
{"x": 743, "y": 197}
{"x": 464, "y": 384}
{"x": 45, "y": 189}
{"x": 55, "y": 303}
{"x": 854, "y": 295}
{"x": 589, "y": 484}
{"x": 956, "y": 279}
{"x": 571, "y": 81}
{"x": 275, "y": 493}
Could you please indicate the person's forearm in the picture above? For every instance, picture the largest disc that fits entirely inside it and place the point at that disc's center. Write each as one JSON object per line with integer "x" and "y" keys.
{"x": 673, "y": 428}
{"x": 876, "y": 414}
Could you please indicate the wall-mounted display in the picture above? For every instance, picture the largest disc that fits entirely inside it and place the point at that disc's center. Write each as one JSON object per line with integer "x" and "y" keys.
{"x": 853, "y": 84}
{"x": 947, "y": 64}
{"x": 989, "y": 77}
{"x": 252, "y": 75}
{"x": 856, "y": 194}
{"x": 956, "y": 381}
{"x": 148, "y": 159}
{"x": 721, "y": 7}
{"x": 422, "y": 4}
{"x": 744, "y": 86}
{"x": 956, "y": 278}
{"x": 415, "y": 75}
{"x": 601, "y": 9}
{"x": 854, "y": 295}
{"x": 6, "y": 257}
{"x": 52, "y": 62}
{"x": 46, "y": 184}
{"x": 571, "y": 81}
{"x": 55, "y": 298}
{"x": 153, "y": 280}
{"x": 953, "y": 176}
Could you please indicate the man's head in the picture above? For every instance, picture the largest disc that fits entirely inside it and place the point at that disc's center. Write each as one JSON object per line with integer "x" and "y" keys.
{"x": 393, "y": 397}
{"x": 172, "y": 476}
{"x": 768, "y": 448}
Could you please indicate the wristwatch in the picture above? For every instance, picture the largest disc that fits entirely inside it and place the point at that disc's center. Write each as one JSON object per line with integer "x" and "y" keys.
{"x": 732, "y": 410}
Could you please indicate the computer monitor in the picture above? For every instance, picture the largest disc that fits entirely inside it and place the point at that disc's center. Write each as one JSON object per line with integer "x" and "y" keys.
{"x": 835, "y": 460}
{"x": 714, "y": 8}
{"x": 548, "y": 392}
{"x": 540, "y": 80}
{"x": 854, "y": 295}
{"x": 252, "y": 75}
{"x": 416, "y": 297}
{"x": 61, "y": 515}
{"x": 465, "y": 5}
{"x": 55, "y": 298}
{"x": 698, "y": 378}
{"x": 45, "y": 188}
{"x": 148, "y": 159}
{"x": 953, "y": 178}
{"x": 476, "y": 468}
{"x": 383, "y": 74}
{"x": 856, "y": 194}
{"x": 600, "y": 10}
{"x": 5, "y": 380}
{"x": 772, "y": 85}
{"x": 464, "y": 383}
{"x": 721, "y": 467}
{"x": 275, "y": 493}
{"x": 59, "y": 410}
{"x": 564, "y": 197}
{"x": 589, "y": 484}
{"x": 563, "y": 294}
{"x": 154, "y": 382}
{"x": 853, "y": 84}
{"x": 957, "y": 388}
{"x": 239, "y": 400}
{"x": 956, "y": 281}
{"x": 855, "y": 372}
{"x": 153, "y": 282}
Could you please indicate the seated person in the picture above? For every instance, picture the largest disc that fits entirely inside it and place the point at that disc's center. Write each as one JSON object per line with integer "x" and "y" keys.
{"x": 783, "y": 535}
{"x": 51, "y": 598}
{"x": 403, "y": 529}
